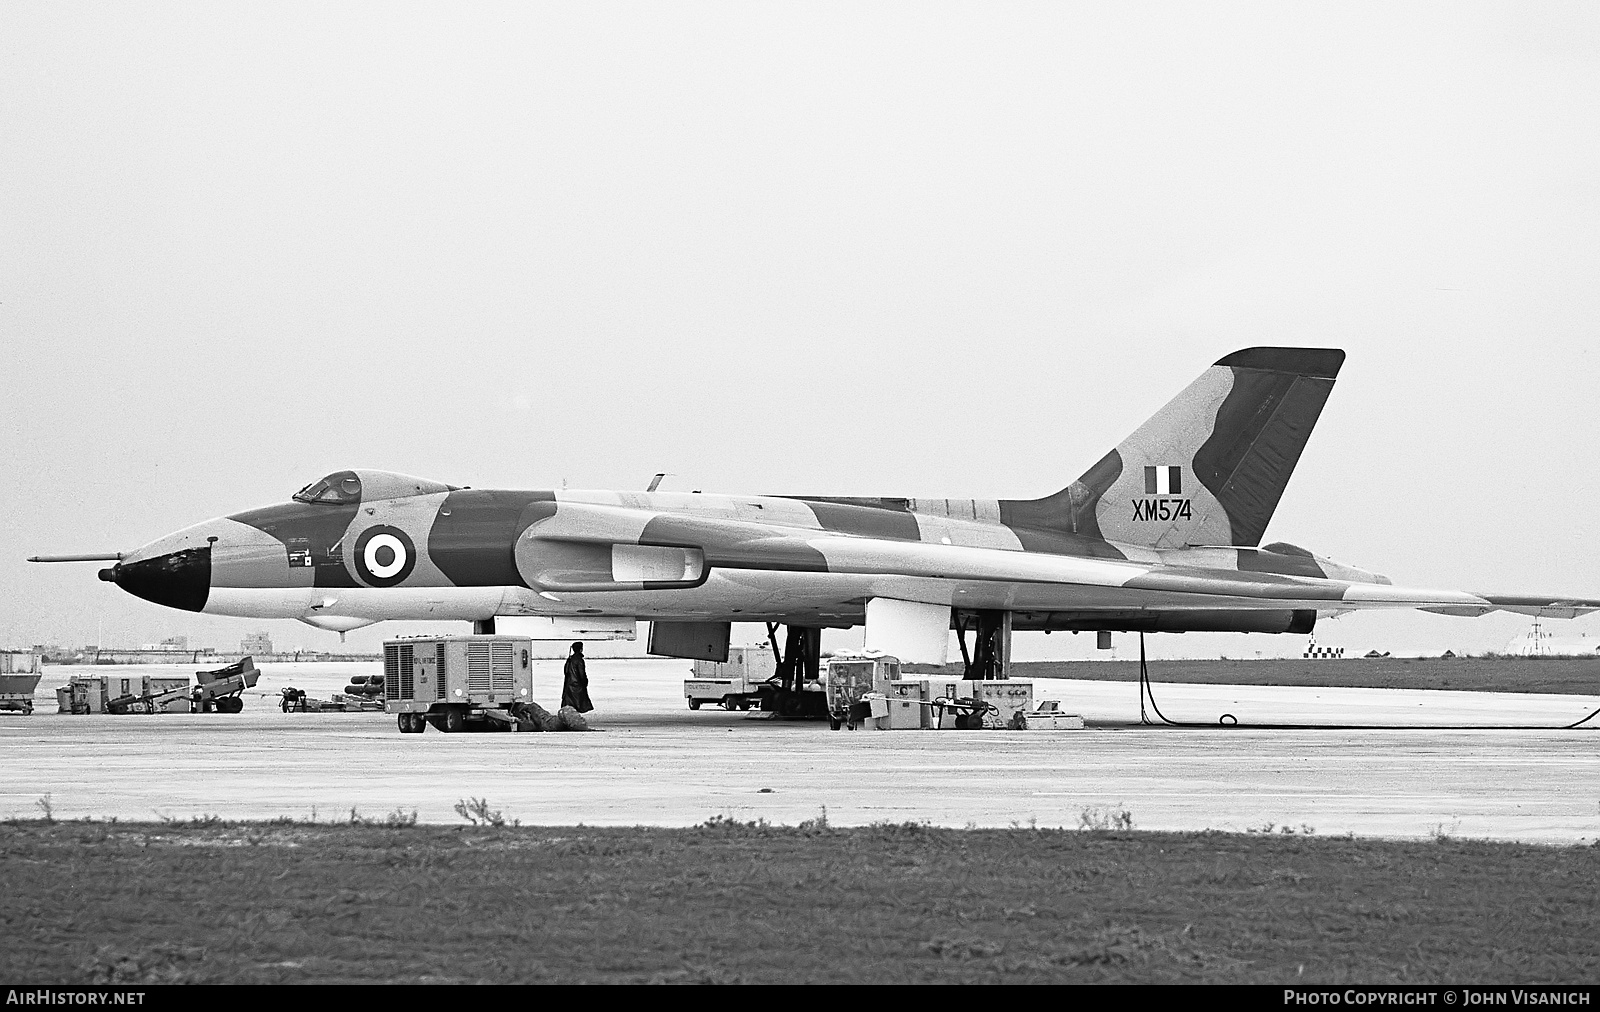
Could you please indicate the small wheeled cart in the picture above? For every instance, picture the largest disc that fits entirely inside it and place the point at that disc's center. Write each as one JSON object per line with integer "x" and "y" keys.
{"x": 222, "y": 690}
{"x": 16, "y": 692}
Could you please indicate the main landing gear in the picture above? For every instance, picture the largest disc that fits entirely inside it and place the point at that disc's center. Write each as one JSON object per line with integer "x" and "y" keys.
{"x": 991, "y": 649}
{"x": 795, "y": 690}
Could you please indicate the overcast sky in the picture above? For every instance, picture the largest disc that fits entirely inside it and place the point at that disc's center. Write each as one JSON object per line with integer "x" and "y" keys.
{"x": 906, "y": 249}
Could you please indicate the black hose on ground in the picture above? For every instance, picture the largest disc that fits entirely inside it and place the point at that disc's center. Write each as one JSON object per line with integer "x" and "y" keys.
{"x": 1230, "y": 721}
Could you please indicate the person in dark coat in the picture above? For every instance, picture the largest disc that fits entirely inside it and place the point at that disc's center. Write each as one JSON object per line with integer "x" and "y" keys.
{"x": 575, "y": 682}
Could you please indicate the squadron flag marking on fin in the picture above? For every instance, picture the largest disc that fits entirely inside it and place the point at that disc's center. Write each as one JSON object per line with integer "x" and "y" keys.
{"x": 1163, "y": 480}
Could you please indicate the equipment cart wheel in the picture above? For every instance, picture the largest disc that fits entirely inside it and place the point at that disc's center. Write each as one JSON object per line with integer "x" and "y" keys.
{"x": 730, "y": 702}
{"x": 230, "y": 704}
{"x": 694, "y": 704}
{"x": 455, "y": 720}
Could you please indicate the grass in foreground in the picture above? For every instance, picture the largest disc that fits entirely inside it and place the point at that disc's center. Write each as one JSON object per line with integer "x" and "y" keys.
{"x": 726, "y": 902}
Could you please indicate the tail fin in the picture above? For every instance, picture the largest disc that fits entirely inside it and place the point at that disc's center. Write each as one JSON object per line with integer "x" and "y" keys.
{"x": 1207, "y": 469}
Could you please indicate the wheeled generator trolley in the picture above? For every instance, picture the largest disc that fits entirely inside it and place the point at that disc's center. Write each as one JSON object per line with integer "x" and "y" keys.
{"x": 458, "y": 683}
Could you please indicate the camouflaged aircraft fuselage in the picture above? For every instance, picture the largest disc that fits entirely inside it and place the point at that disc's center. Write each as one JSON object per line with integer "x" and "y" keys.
{"x": 1162, "y": 534}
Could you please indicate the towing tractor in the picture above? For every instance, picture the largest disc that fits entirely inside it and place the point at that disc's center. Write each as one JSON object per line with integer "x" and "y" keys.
{"x": 458, "y": 683}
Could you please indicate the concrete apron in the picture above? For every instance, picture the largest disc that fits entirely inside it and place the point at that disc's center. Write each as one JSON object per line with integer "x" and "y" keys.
{"x": 658, "y": 763}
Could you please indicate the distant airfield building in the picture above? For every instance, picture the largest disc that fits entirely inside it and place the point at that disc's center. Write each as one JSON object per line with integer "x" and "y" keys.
{"x": 256, "y": 643}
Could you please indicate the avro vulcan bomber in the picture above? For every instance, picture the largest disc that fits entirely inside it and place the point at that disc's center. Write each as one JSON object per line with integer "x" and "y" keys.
{"x": 1162, "y": 534}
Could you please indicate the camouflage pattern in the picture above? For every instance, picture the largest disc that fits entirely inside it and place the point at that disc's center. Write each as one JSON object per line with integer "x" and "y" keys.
{"x": 1162, "y": 534}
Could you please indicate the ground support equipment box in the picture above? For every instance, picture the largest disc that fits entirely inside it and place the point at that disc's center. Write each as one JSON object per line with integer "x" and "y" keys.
{"x": 104, "y": 688}
{"x": 733, "y": 684}
{"x": 16, "y": 692}
{"x": 850, "y": 675}
{"x": 949, "y": 703}
{"x": 941, "y": 700}
{"x": 117, "y": 693}
{"x": 942, "y": 718}
{"x": 906, "y": 713}
{"x": 81, "y": 695}
{"x": 159, "y": 695}
{"x": 1008, "y": 699}
{"x": 458, "y": 683}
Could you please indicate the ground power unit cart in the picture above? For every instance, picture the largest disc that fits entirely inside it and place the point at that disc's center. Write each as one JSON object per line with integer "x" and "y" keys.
{"x": 458, "y": 683}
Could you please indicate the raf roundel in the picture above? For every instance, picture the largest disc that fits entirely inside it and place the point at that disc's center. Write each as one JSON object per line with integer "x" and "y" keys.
{"x": 384, "y": 556}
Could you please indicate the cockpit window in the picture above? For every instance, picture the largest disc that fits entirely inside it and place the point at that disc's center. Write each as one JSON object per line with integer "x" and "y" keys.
{"x": 337, "y": 489}
{"x": 348, "y": 488}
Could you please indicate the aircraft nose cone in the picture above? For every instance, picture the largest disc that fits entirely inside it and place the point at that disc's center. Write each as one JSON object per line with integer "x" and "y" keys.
{"x": 177, "y": 579}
